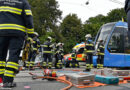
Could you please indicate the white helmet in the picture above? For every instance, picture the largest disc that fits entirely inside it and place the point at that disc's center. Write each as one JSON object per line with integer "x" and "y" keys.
{"x": 60, "y": 44}
{"x": 49, "y": 38}
{"x": 88, "y": 36}
{"x": 35, "y": 33}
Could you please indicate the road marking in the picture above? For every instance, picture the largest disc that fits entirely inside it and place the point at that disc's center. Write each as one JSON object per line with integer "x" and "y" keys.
{"x": 1, "y": 88}
{"x": 27, "y": 88}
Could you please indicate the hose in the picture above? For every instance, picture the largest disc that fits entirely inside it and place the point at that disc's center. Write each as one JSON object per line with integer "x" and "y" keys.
{"x": 55, "y": 78}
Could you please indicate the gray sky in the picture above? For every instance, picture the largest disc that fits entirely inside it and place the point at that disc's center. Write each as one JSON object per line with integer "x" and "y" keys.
{"x": 94, "y": 7}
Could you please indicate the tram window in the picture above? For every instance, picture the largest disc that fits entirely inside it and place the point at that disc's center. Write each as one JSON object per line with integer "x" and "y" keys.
{"x": 127, "y": 41}
{"x": 104, "y": 32}
{"x": 116, "y": 43}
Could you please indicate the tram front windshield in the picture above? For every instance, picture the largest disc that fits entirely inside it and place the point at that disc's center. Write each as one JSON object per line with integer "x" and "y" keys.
{"x": 103, "y": 33}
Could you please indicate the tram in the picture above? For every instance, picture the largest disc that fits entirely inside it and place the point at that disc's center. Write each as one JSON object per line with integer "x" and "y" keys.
{"x": 116, "y": 40}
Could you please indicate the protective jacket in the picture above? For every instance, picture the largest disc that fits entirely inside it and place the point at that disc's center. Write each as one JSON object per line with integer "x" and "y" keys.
{"x": 127, "y": 5}
{"x": 47, "y": 47}
{"x": 59, "y": 50}
{"x": 36, "y": 44}
{"x": 101, "y": 49}
{"x": 89, "y": 47}
{"x": 15, "y": 18}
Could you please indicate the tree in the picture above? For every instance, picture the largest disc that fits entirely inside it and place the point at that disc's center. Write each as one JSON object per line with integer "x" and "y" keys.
{"x": 93, "y": 24}
{"x": 46, "y": 15}
{"x": 116, "y": 15}
{"x": 71, "y": 29}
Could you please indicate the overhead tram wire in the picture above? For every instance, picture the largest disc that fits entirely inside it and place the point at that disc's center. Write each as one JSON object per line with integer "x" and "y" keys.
{"x": 117, "y": 2}
{"x": 82, "y": 5}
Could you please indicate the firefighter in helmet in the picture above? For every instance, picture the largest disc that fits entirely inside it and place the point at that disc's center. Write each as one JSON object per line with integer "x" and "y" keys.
{"x": 35, "y": 49}
{"x": 100, "y": 53}
{"x": 74, "y": 63}
{"x": 89, "y": 50}
{"x": 47, "y": 53}
{"x": 16, "y": 22}
{"x": 59, "y": 52}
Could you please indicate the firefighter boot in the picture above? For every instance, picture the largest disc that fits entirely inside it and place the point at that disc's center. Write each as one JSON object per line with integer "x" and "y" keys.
{"x": 31, "y": 66}
{"x": 91, "y": 66}
{"x": 98, "y": 66}
{"x": 60, "y": 64}
{"x": 50, "y": 65}
{"x": 44, "y": 65}
{"x": 77, "y": 65}
{"x": 87, "y": 67}
{"x": 70, "y": 65}
{"x": 73, "y": 64}
{"x": 57, "y": 66}
{"x": 101, "y": 66}
{"x": 27, "y": 65}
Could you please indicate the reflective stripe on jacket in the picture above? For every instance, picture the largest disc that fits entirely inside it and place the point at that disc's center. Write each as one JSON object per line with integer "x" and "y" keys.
{"x": 15, "y": 18}
{"x": 89, "y": 48}
{"x": 47, "y": 47}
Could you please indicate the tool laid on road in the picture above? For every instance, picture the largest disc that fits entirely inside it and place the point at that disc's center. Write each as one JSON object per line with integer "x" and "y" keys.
{"x": 81, "y": 78}
{"x": 107, "y": 79}
{"x": 49, "y": 72}
{"x": 51, "y": 75}
{"x": 126, "y": 78}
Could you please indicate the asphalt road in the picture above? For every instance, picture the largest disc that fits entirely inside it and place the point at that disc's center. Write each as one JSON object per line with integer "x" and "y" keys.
{"x": 53, "y": 85}
{"x": 25, "y": 82}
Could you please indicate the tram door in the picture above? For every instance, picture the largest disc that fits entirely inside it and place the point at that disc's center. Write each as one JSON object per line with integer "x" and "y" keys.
{"x": 115, "y": 49}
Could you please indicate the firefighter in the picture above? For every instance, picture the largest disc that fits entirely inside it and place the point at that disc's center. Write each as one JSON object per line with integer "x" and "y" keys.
{"x": 47, "y": 53}
{"x": 29, "y": 48}
{"x": 74, "y": 62}
{"x": 89, "y": 50}
{"x": 15, "y": 22}
{"x": 100, "y": 53}
{"x": 59, "y": 52}
{"x": 34, "y": 51}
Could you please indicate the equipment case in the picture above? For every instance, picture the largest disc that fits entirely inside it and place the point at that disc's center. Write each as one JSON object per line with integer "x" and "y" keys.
{"x": 81, "y": 79}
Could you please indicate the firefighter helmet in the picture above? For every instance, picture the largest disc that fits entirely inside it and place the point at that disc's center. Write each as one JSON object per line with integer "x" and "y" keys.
{"x": 60, "y": 44}
{"x": 88, "y": 36}
{"x": 49, "y": 38}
